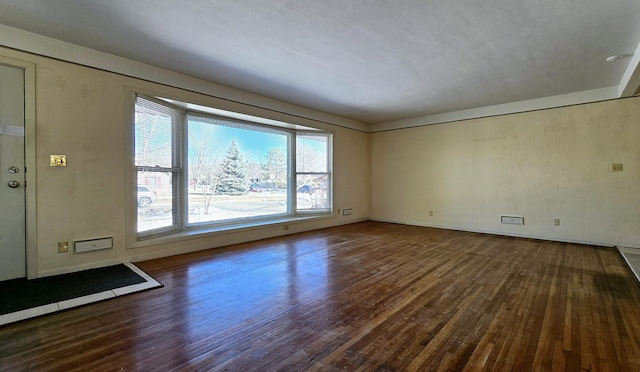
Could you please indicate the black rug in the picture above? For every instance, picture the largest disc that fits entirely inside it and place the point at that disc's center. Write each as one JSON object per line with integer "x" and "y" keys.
{"x": 22, "y": 294}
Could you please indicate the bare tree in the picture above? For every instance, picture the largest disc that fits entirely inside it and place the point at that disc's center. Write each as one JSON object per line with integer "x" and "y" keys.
{"x": 274, "y": 168}
{"x": 311, "y": 154}
{"x": 204, "y": 164}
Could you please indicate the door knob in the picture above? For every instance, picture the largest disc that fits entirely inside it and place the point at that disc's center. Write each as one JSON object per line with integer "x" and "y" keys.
{"x": 13, "y": 184}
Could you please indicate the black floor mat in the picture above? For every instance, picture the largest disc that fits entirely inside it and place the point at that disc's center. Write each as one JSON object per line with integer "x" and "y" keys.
{"x": 22, "y": 294}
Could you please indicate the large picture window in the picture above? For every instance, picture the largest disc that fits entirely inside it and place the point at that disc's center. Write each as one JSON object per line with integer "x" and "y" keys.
{"x": 194, "y": 170}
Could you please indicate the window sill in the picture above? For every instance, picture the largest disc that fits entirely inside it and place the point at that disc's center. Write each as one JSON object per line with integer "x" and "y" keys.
{"x": 211, "y": 231}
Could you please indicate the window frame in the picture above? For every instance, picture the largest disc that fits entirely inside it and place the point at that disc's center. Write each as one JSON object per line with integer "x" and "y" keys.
{"x": 328, "y": 173}
{"x": 176, "y": 170}
{"x": 181, "y": 225}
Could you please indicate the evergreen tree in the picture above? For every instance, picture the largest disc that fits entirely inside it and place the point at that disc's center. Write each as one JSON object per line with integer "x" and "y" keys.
{"x": 233, "y": 178}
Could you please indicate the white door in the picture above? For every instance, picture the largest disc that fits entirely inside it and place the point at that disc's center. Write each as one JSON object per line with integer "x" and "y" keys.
{"x": 12, "y": 174}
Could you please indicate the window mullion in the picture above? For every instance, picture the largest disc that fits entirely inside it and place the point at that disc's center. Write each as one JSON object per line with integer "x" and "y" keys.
{"x": 293, "y": 176}
{"x": 180, "y": 162}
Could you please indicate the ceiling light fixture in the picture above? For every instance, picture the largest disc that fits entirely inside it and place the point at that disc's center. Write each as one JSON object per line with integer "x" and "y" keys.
{"x": 614, "y": 58}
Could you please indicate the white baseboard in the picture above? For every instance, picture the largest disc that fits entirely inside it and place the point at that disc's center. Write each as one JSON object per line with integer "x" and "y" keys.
{"x": 502, "y": 233}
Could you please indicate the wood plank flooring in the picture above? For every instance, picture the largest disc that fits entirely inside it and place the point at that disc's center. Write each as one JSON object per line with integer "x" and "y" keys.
{"x": 363, "y": 297}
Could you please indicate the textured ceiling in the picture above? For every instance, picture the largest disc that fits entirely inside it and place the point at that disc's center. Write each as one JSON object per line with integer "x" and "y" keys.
{"x": 370, "y": 61}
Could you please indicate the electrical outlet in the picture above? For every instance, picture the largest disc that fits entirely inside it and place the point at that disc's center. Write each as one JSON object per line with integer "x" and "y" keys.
{"x": 347, "y": 211}
{"x": 556, "y": 222}
{"x": 616, "y": 167}
{"x": 285, "y": 227}
{"x": 63, "y": 247}
{"x": 430, "y": 213}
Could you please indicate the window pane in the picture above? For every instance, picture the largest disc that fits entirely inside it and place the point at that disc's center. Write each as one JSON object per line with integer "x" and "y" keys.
{"x": 235, "y": 170}
{"x": 313, "y": 193}
{"x": 311, "y": 153}
{"x": 156, "y": 206}
{"x": 153, "y": 145}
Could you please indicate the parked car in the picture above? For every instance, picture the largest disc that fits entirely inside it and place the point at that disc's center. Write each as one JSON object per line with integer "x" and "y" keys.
{"x": 146, "y": 196}
{"x": 255, "y": 188}
{"x": 305, "y": 189}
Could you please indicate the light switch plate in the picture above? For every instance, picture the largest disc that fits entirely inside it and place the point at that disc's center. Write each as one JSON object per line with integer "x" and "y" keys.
{"x": 58, "y": 160}
{"x": 63, "y": 247}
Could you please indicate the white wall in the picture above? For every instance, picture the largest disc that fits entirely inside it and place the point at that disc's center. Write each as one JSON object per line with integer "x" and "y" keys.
{"x": 541, "y": 165}
{"x": 80, "y": 112}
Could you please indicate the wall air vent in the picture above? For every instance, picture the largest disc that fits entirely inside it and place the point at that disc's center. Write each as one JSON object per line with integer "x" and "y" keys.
{"x": 511, "y": 220}
{"x": 92, "y": 245}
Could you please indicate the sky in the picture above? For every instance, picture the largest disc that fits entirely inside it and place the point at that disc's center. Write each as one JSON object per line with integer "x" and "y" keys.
{"x": 253, "y": 145}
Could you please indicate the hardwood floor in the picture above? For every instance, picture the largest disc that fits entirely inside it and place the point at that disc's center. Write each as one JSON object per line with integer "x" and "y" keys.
{"x": 368, "y": 296}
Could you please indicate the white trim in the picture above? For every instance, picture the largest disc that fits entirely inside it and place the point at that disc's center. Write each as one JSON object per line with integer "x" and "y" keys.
{"x": 28, "y": 313}
{"x": 570, "y": 99}
{"x": 29, "y": 69}
{"x": 631, "y": 79}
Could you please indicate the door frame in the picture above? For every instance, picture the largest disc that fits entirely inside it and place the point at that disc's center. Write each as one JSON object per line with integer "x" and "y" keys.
{"x": 31, "y": 250}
